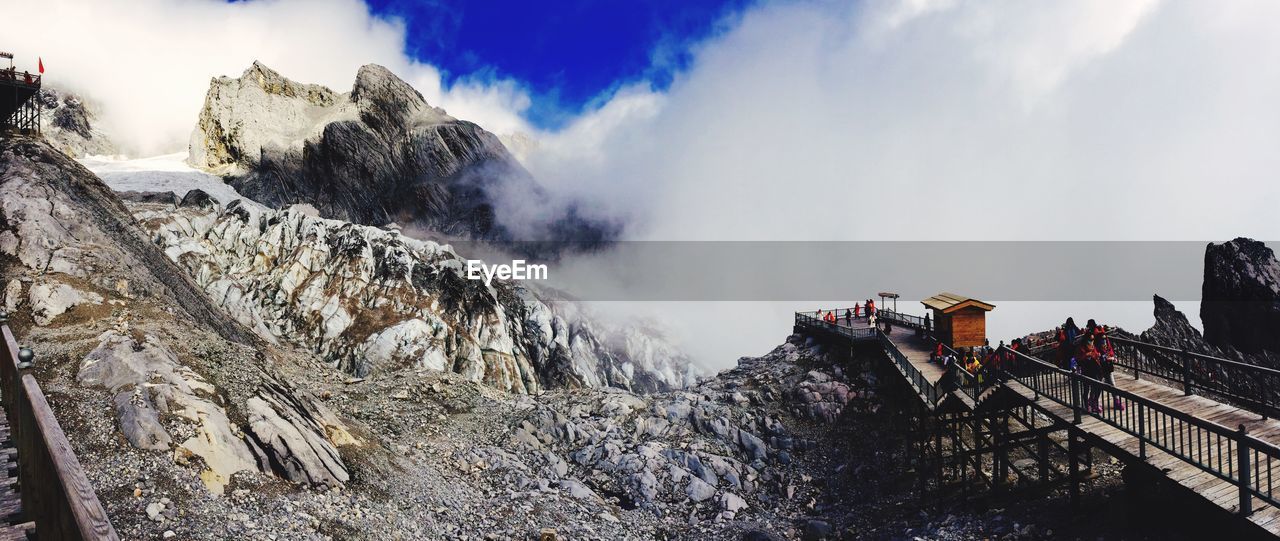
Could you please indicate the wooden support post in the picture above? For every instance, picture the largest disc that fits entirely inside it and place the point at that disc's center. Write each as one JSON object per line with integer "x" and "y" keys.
{"x": 1142, "y": 431}
{"x": 1243, "y": 467}
{"x": 1075, "y": 398}
{"x": 1073, "y": 464}
{"x": 1042, "y": 449}
{"x": 978, "y": 449}
{"x": 1186, "y": 373}
{"x": 922, "y": 468}
{"x": 937, "y": 442}
{"x": 999, "y": 467}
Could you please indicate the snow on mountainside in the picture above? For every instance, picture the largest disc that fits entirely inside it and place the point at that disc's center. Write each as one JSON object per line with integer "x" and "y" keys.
{"x": 370, "y": 300}
{"x": 167, "y": 173}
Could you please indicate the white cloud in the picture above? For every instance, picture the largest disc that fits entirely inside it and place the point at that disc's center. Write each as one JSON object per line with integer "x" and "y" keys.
{"x": 149, "y": 61}
{"x": 914, "y": 119}
{"x": 950, "y": 120}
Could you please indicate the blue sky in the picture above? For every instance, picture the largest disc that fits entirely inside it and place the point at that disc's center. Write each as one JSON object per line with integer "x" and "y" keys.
{"x": 566, "y": 53}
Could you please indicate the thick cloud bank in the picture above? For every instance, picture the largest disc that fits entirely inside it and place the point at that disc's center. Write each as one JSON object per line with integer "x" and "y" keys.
{"x": 149, "y": 61}
{"x": 949, "y": 120}
{"x": 914, "y": 119}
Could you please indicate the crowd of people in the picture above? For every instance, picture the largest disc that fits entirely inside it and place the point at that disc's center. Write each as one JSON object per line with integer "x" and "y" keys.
{"x": 851, "y": 314}
{"x": 1089, "y": 352}
{"x": 975, "y": 359}
{"x": 14, "y": 75}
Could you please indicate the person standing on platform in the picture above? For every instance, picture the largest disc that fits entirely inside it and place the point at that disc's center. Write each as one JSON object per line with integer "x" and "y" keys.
{"x": 1090, "y": 363}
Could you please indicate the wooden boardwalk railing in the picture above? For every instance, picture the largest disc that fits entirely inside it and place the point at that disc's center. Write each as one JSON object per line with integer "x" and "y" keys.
{"x": 1251, "y": 386}
{"x": 1229, "y": 454}
{"x": 55, "y": 493}
{"x": 1200, "y": 442}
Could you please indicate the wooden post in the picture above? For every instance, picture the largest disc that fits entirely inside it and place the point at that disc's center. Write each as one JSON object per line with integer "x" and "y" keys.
{"x": 1242, "y": 459}
{"x": 940, "y": 422}
{"x": 1075, "y": 397}
{"x": 1073, "y": 463}
{"x": 976, "y": 425}
{"x": 1000, "y": 463}
{"x": 1142, "y": 431}
{"x": 922, "y": 468}
{"x": 1186, "y": 373}
{"x": 1042, "y": 449}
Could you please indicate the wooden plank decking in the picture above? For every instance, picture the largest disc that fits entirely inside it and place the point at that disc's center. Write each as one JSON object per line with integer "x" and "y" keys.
{"x": 13, "y": 526}
{"x": 916, "y": 348}
{"x": 1219, "y": 490}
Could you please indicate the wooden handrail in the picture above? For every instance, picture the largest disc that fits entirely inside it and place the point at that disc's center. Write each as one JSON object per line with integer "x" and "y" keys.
{"x": 1247, "y": 449}
{"x": 56, "y": 493}
{"x": 1237, "y": 456}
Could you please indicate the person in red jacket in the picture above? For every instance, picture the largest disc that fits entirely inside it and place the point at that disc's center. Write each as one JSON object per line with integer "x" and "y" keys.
{"x": 1090, "y": 362}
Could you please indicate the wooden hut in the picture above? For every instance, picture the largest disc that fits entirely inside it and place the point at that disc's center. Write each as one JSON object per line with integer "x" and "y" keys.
{"x": 959, "y": 322}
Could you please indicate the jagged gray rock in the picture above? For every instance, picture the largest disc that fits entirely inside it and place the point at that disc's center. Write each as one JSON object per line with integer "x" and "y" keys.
{"x": 375, "y": 155}
{"x": 1172, "y": 329}
{"x": 69, "y": 123}
{"x": 291, "y": 429}
{"x": 1240, "y": 304}
{"x": 148, "y": 379}
{"x": 367, "y": 300}
{"x": 60, "y": 219}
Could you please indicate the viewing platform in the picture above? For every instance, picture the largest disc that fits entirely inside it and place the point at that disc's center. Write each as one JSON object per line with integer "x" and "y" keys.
{"x": 18, "y": 107}
{"x": 1205, "y": 424}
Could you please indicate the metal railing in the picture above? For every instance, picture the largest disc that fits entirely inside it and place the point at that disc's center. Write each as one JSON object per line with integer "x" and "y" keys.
{"x": 804, "y": 319}
{"x": 1246, "y": 385}
{"x": 906, "y": 320}
{"x": 927, "y": 390}
{"x": 1232, "y": 455}
{"x": 55, "y": 492}
{"x": 11, "y": 76}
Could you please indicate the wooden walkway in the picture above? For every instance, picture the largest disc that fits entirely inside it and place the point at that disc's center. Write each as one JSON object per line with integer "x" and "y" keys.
{"x": 916, "y": 347}
{"x": 44, "y": 492}
{"x": 1221, "y": 492}
{"x": 1194, "y": 441}
{"x": 12, "y": 525}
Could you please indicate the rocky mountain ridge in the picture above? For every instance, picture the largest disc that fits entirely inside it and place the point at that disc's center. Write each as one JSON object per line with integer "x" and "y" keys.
{"x": 70, "y": 123}
{"x": 375, "y": 155}
{"x": 120, "y": 324}
{"x": 367, "y": 299}
{"x": 1240, "y": 302}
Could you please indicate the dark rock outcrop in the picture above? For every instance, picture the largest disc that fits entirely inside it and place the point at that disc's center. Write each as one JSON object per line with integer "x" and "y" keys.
{"x": 290, "y": 428}
{"x": 167, "y": 198}
{"x": 375, "y": 155}
{"x": 197, "y": 198}
{"x": 1240, "y": 304}
{"x": 1172, "y": 329}
{"x": 69, "y": 123}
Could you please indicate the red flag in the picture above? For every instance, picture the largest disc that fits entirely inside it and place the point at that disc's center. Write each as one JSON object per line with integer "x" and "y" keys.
{"x": 41, "y": 61}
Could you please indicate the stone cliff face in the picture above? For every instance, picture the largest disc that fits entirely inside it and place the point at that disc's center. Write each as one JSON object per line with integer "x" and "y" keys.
{"x": 1240, "y": 304}
{"x": 370, "y": 300}
{"x": 375, "y": 155}
{"x": 128, "y": 344}
{"x": 69, "y": 123}
{"x": 1172, "y": 329}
